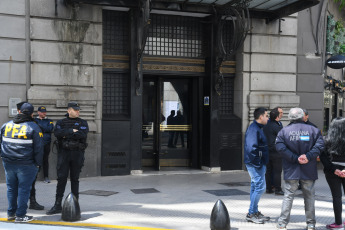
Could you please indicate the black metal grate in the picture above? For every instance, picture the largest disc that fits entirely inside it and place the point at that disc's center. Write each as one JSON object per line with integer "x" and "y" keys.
{"x": 115, "y": 95}
{"x": 177, "y": 36}
{"x": 226, "y": 99}
{"x": 228, "y": 37}
{"x": 115, "y": 32}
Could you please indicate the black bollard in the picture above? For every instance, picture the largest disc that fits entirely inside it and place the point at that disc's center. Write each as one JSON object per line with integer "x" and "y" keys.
{"x": 220, "y": 219}
{"x": 70, "y": 209}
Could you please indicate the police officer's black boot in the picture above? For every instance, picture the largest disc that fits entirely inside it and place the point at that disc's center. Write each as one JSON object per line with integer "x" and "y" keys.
{"x": 34, "y": 205}
{"x": 57, "y": 208}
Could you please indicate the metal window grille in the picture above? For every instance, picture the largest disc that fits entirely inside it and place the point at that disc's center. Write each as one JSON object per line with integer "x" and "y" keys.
{"x": 115, "y": 32}
{"x": 228, "y": 36}
{"x": 115, "y": 95}
{"x": 226, "y": 99}
{"x": 177, "y": 36}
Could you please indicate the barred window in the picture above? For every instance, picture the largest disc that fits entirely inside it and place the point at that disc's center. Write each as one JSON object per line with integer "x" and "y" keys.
{"x": 178, "y": 36}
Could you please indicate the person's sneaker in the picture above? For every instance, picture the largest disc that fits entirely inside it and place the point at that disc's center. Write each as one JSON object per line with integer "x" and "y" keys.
{"x": 279, "y": 193}
{"x": 262, "y": 216}
{"x": 24, "y": 219}
{"x": 46, "y": 180}
{"x": 335, "y": 226}
{"x": 11, "y": 217}
{"x": 254, "y": 219}
{"x": 310, "y": 227}
{"x": 281, "y": 227}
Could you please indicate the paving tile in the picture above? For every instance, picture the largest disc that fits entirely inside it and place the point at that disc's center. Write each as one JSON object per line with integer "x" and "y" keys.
{"x": 98, "y": 192}
{"x": 144, "y": 190}
{"x": 226, "y": 192}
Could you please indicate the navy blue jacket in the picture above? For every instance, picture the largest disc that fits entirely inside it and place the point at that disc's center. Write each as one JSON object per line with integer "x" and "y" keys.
{"x": 255, "y": 146}
{"x": 297, "y": 139}
{"x": 271, "y": 131}
{"x": 21, "y": 141}
{"x": 47, "y": 127}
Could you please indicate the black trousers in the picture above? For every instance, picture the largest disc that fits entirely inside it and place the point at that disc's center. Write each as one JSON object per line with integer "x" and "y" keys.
{"x": 33, "y": 189}
{"x": 273, "y": 173}
{"x": 46, "y": 159}
{"x": 181, "y": 134}
{"x": 335, "y": 183}
{"x": 69, "y": 162}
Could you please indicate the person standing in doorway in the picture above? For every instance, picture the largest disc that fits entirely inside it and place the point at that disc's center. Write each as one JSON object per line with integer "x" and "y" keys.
{"x": 47, "y": 127}
{"x": 255, "y": 159}
{"x": 299, "y": 145}
{"x": 171, "y": 123}
{"x": 179, "y": 120}
{"x": 71, "y": 133}
{"x": 21, "y": 153}
{"x": 274, "y": 166}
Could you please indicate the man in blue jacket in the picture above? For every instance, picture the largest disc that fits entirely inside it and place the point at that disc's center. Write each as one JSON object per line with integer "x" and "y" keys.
{"x": 255, "y": 159}
{"x": 21, "y": 153}
{"x": 47, "y": 128}
{"x": 299, "y": 145}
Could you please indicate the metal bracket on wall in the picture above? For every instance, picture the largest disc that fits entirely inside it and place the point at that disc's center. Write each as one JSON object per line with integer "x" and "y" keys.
{"x": 143, "y": 23}
{"x": 280, "y": 26}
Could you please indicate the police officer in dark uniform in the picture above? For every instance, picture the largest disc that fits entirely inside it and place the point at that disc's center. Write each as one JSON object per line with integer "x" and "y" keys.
{"x": 33, "y": 203}
{"x": 71, "y": 133}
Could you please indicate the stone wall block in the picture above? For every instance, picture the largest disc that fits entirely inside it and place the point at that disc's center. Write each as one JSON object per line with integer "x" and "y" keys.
{"x": 273, "y": 82}
{"x": 66, "y": 30}
{"x": 273, "y": 44}
{"x": 72, "y": 53}
{"x": 46, "y": 8}
{"x": 59, "y": 74}
{"x": 288, "y": 27}
{"x": 12, "y": 72}
{"x": 11, "y": 91}
{"x": 16, "y": 7}
{"x": 273, "y": 63}
{"x": 12, "y": 50}
{"x": 12, "y": 27}
{"x": 62, "y": 93}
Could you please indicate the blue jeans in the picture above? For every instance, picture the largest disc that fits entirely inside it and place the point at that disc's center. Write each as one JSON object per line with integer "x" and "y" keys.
{"x": 257, "y": 186}
{"x": 19, "y": 179}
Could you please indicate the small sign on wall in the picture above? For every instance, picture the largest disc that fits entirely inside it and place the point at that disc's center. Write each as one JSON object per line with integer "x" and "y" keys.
{"x": 12, "y": 106}
{"x": 206, "y": 101}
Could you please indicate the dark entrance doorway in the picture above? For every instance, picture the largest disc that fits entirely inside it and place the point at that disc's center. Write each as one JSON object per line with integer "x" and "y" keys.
{"x": 167, "y": 131}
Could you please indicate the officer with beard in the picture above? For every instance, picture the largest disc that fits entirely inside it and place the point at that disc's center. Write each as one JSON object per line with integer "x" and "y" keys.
{"x": 71, "y": 133}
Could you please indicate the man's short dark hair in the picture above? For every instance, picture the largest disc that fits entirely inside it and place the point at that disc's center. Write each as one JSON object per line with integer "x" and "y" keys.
{"x": 305, "y": 112}
{"x": 274, "y": 114}
{"x": 258, "y": 112}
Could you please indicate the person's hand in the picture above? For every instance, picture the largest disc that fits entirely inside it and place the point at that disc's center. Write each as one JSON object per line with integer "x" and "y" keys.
{"x": 342, "y": 174}
{"x": 337, "y": 172}
{"x": 303, "y": 159}
{"x": 75, "y": 130}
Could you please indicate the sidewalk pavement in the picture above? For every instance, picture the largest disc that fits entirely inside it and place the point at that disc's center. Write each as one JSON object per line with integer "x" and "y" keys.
{"x": 180, "y": 200}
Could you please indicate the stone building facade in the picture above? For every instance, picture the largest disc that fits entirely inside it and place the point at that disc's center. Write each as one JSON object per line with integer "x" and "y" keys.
{"x": 52, "y": 52}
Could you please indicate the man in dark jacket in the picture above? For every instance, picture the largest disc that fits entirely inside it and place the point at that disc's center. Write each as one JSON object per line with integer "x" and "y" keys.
{"x": 171, "y": 123}
{"x": 299, "y": 145}
{"x": 256, "y": 158}
{"x": 47, "y": 127}
{"x": 21, "y": 153}
{"x": 274, "y": 166}
{"x": 71, "y": 133}
{"x": 33, "y": 203}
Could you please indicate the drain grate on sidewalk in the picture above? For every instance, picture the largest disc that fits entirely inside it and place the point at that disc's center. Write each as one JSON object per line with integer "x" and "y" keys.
{"x": 144, "y": 190}
{"x": 235, "y": 184}
{"x": 98, "y": 192}
{"x": 226, "y": 192}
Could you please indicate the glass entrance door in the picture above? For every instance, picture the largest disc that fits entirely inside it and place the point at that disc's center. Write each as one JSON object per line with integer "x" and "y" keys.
{"x": 167, "y": 119}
